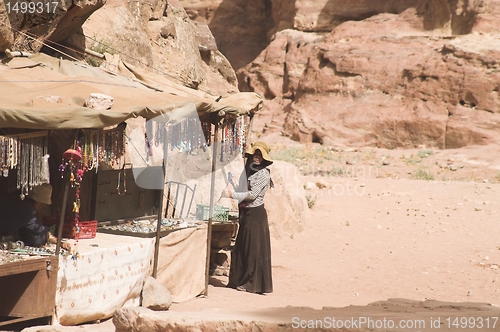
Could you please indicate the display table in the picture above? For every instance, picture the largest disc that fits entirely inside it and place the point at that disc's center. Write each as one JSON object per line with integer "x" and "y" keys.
{"x": 110, "y": 271}
{"x": 108, "y": 274}
{"x": 181, "y": 262}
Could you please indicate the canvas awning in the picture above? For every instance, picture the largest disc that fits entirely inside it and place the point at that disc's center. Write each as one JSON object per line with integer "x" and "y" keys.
{"x": 26, "y": 82}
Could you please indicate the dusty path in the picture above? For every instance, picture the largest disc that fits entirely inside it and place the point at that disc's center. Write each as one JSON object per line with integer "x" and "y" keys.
{"x": 392, "y": 239}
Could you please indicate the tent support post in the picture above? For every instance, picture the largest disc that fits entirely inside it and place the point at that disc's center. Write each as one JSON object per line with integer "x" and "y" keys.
{"x": 160, "y": 210}
{"x": 211, "y": 213}
{"x": 63, "y": 215}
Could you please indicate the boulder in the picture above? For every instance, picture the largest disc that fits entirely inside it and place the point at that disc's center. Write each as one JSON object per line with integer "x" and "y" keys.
{"x": 155, "y": 295}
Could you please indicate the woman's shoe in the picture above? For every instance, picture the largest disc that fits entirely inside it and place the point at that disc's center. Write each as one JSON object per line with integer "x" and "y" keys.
{"x": 241, "y": 289}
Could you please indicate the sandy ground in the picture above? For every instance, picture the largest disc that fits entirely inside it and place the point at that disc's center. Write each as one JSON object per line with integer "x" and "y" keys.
{"x": 382, "y": 236}
{"x": 407, "y": 239}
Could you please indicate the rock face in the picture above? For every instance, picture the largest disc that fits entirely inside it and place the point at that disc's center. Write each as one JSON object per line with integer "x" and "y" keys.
{"x": 54, "y": 22}
{"x": 153, "y": 33}
{"x": 241, "y": 28}
{"x": 164, "y": 39}
{"x": 387, "y": 73}
{"x": 397, "y": 91}
{"x": 382, "y": 73}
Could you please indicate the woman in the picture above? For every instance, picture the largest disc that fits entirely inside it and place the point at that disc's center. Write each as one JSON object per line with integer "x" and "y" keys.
{"x": 251, "y": 258}
{"x": 18, "y": 217}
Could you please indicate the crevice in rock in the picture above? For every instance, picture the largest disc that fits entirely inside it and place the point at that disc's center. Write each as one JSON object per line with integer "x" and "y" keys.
{"x": 229, "y": 25}
{"x": 462, "y": 19}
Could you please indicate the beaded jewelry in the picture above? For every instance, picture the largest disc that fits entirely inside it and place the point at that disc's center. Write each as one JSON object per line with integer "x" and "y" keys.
{"x": 30, "y": 162}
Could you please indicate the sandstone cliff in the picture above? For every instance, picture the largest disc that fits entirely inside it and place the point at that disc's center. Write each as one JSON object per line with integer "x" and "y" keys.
{"x": 387, "y": 73}
{"x": 381, "y": 73}
{"x": 154, "y": 34}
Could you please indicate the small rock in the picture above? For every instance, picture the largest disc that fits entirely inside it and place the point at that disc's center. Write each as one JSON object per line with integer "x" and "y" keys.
{"x": 51, "y": 99}
{"x": 322, "y": 184}
{"x": 441, "y": 164}
{"x": 168, "y": 31}
{"x": 192, "y": 13}
{"x": 99, "y": 101}
{"x": 310, "y": 185}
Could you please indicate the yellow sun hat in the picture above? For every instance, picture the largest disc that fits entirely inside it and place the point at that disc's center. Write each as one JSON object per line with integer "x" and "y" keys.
{"x": 263, "y": 148}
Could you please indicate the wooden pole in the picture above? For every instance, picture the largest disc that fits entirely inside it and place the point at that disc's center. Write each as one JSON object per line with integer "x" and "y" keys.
{"x": 63, "y": 214}
{"x": 160, "y": 210}
{"x": 211, "y": 213}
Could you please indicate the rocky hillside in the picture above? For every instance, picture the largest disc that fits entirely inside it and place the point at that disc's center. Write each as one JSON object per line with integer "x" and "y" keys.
{"x": 385, "y": 73}
{"x": 154, "y": 34}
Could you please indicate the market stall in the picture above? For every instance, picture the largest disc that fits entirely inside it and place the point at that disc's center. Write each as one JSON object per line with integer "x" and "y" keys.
{"x": 53, "y": 95}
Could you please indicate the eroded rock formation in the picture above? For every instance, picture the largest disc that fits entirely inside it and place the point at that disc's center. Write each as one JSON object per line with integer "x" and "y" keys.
{"x": 383, "y": 73}
{"x": 155, "y": 34}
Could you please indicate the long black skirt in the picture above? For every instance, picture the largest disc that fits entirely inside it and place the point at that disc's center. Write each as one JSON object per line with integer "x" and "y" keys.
{"x": 251, "y": 257}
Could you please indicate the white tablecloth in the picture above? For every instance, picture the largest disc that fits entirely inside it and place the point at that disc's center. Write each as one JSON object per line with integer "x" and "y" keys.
{"x": 108, "y": 273}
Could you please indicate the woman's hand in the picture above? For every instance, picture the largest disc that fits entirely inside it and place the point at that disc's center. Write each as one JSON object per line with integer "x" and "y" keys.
{"x": 228, "y": 192}
{"x": 66, "y": 246}
{"x": 53, "y": 240}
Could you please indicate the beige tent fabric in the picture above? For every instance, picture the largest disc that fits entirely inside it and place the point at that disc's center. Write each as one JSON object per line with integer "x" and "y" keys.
{"x": 182, "y": 261}
{"x": 25, "y": 84}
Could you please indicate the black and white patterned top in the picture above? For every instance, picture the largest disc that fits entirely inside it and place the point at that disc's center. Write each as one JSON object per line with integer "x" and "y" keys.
{"x": 257, "y": 188}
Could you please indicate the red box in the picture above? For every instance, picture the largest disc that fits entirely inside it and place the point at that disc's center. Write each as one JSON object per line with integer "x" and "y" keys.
{"x": 87, "y": 230}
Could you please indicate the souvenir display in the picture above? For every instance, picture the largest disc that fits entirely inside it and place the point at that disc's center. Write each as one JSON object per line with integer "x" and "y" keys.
{"x": 147, "y": 227}
{"x": 102, "y": 147}
{"x": 8, "y": 154}
{"x": 193, "y": 133}
{"x": 233, "y": 140}
{"x": 17, "y": 252}
{"x": 30, "y": 156}
{"x": 72, "y": 165}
